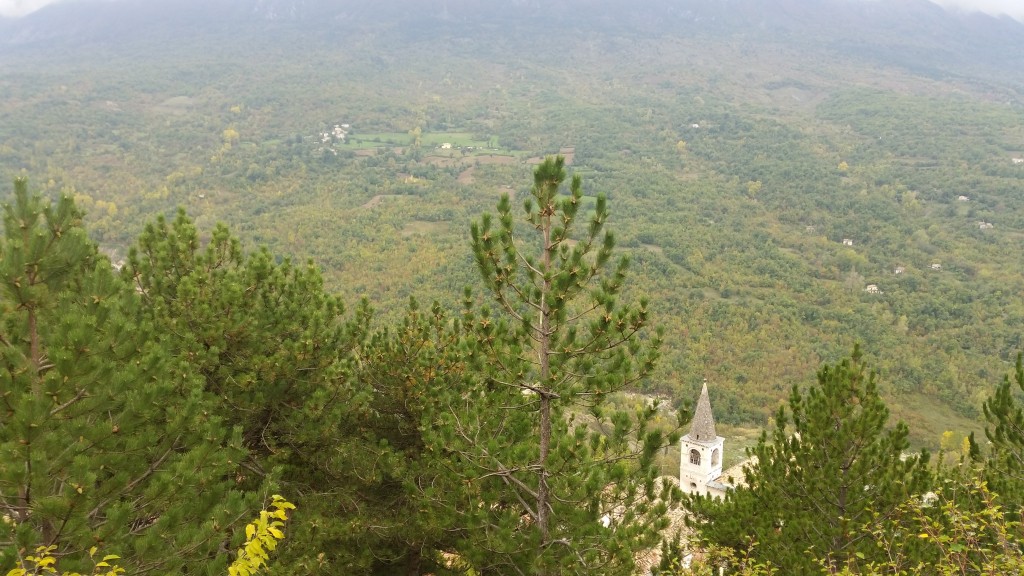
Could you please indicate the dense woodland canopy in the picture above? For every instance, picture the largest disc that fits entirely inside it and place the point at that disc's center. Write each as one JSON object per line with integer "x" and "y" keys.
{"x": 765, "y": 164}
{"x": 147, "y": 411}
{"x": 736, "y": 162}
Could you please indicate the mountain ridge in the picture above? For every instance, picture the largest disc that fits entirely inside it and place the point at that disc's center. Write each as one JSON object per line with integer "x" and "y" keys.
{"x": 906, "y": 22}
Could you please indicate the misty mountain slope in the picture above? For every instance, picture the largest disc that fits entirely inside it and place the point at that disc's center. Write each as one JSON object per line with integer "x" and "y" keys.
{"x": 904, "y": 32}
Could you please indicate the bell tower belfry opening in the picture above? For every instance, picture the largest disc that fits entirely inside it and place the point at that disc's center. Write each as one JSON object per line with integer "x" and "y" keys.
{"x": 700, "y": 463}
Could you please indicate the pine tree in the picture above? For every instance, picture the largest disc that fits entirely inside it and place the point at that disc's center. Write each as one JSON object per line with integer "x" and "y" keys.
{"x": 1005, "y": 467}
{"x": 105, "y": 440}
{"x": 829, "y": 472}
{"x": 401, "y": 530}
{"x": 277, "y": 353}
{"x": 535, "y": 472}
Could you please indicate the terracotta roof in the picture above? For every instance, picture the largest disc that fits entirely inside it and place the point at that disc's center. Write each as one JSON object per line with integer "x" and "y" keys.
{"x": 735, "y": 476}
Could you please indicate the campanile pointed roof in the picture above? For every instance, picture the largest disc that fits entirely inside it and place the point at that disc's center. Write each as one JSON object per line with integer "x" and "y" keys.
{"x": 702, "y": 429}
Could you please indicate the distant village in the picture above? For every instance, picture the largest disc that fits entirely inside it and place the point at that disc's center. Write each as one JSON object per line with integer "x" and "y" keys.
{"x": 934, "y": 266}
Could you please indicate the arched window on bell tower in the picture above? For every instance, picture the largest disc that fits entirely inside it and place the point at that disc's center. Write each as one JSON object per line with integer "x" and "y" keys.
{"x": 695, "y": 457}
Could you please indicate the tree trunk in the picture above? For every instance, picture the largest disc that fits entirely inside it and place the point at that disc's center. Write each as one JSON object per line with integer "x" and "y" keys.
{"x": 543, "y": 491}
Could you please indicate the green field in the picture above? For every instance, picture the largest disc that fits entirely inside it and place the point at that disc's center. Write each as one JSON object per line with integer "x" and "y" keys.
{"x": 360, "y": 141}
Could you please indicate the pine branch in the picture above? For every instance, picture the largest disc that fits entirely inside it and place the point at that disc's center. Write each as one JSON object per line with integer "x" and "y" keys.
{"x": 58, "y": 409}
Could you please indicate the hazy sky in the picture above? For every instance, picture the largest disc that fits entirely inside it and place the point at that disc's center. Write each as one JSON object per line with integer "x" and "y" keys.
{"x": 1014, "y": 8}
{"x": 21, "y": 7}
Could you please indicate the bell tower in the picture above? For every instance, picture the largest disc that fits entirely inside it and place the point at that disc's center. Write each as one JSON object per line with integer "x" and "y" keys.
{"x": 700, "y": 462}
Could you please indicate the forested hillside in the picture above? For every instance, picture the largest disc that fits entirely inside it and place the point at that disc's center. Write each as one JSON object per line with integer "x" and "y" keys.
{"x": 149, "y": 410}
{"x": 766, "y": 163}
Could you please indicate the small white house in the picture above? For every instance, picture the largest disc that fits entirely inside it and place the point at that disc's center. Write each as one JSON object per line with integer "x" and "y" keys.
{"x": 847, "y": 242}
{"x": 936, "y": 266}
{"x": 1018, "y": 160}
{"x": 986, "y": 225}
{"x": 872, "y": 289}
{"x": 962, "y": 198}
{"x": 899, "y": 270}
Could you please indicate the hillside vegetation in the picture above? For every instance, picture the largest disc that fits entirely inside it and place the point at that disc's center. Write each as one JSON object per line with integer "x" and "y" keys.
{"x": 740, "y": 144}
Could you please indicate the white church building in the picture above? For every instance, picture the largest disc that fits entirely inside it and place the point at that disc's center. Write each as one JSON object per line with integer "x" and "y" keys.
{"x": 700, "y": 463}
